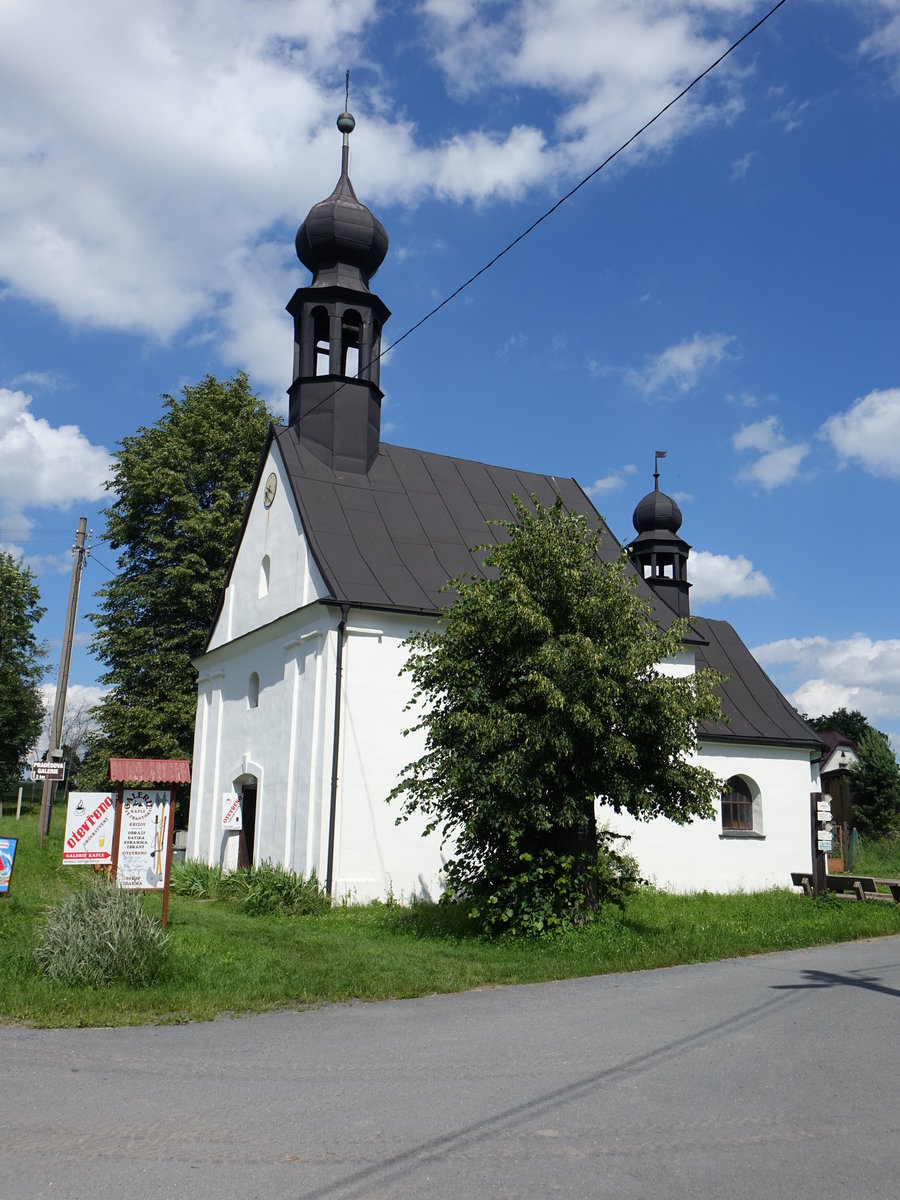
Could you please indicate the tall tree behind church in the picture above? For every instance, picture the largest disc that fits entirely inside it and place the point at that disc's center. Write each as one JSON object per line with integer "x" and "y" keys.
{"x": 181, "y": 486}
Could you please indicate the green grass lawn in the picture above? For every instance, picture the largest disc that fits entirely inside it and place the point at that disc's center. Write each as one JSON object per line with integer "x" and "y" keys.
{"x": 878, "y": 856}
{"x": 225, "y": 961}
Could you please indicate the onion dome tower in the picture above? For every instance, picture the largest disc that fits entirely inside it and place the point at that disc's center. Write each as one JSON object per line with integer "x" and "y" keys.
{"x": 657, "y": 552}
{"x": 335, "y": 400}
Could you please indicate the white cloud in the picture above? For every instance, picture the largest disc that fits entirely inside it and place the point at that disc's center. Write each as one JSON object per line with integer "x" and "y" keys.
{"x": 825, "y": 674}
{"x": 719, "y": 577}
{"x": 680, "y": 366}
{"x": 884, "y": 41}
{"x": 742, "y": 165}
{"x": 790, "y": 115}
{"x": 612, "y": 482}
{"x": 44, "y": 466}
{"x": 869, "y": 433}
{"x": 77, "y": 720}
{"x": 138, "y": 141}
{"x": 779, "y": 460}
{"x": 45, "y": 381}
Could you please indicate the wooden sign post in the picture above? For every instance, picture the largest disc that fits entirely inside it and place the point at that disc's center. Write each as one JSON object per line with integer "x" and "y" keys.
{"x": 820, "y": 831}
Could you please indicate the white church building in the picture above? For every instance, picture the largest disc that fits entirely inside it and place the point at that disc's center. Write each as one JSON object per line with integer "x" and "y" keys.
{"x": 344, "y": 548}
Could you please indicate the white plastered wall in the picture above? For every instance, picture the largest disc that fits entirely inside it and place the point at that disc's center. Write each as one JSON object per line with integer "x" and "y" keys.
{"x": 374, "y": 856}
{"x": 274, "y": 573}
{"x": 279, "y": 745}
{"x": 285, "y": 746}
{"x": 700, "y": 857}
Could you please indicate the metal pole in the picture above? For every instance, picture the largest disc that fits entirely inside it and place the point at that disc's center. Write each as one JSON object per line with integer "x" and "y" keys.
{"x": 62, "y": 680}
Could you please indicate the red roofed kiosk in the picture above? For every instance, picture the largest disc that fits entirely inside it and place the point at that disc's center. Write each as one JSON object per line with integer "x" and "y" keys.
{"x": 142, "y": 842}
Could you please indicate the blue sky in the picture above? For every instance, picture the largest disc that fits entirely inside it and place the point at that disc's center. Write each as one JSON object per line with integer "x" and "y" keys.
{"x": 726, "y": 290}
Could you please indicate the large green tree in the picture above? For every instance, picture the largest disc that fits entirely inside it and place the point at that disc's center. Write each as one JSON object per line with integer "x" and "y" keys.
{"x": 849, "y": 722}
{"x": 539, "y": 692}
{"x": 180, "y": 486}
{"x": 21, "y": 666}
{"x": 875, "y": 785}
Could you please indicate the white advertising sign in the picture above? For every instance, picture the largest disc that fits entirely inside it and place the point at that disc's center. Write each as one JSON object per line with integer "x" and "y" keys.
{"x": 143, "y": 840}
{"x": 90, "y": 821}
{"x": 231, "y": 810}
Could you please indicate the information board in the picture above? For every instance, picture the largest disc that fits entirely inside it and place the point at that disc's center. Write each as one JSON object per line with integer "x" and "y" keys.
{"x": 144, "y": 834}
{"x": 90, "y": 822}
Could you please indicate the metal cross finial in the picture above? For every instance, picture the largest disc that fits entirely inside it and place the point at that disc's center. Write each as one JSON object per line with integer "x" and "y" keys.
{"x": 346, "y": 124}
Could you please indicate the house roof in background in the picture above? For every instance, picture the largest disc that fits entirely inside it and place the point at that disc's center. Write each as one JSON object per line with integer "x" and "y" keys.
{"x": 755, "y": 709}
{"x": 391, "y": 538}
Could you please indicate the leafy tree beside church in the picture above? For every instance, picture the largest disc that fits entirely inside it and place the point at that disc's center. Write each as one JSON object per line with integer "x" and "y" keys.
{"x": 540, "y": 692}
{"x": 180, "y": 489}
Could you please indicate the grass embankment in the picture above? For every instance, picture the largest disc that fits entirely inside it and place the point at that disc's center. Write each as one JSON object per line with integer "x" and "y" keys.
{"x": 223, "y": 960}
{"x": 880, "y": 857}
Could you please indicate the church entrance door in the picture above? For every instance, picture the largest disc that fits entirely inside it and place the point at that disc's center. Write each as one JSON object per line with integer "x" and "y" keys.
{"x": 248, "y": 825}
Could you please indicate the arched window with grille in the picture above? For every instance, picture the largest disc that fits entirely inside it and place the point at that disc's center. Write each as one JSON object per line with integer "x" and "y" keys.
{"x": 741, "y": 808}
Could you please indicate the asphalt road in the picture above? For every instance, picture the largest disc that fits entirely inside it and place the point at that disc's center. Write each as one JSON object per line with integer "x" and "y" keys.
{"x": 774, "y": 1076}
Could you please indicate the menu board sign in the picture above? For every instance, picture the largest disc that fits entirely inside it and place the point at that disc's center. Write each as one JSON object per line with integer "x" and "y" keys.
{"x": 144, "y": 834}
{"x": 90, "y": 820}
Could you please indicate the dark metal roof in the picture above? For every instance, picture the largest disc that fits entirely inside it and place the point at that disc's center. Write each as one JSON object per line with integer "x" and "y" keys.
{"x": 341, "y": 241}
{"x": 657, "y": 513}
{"x": 755, "y": 708}
{"x": 391, "y": 538}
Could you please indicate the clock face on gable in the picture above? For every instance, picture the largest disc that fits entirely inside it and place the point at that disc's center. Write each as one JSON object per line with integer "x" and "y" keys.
{"x": 270, "y": 490}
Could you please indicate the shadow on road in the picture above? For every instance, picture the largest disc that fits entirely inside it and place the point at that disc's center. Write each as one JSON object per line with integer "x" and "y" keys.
{"x": 829, "y": 979}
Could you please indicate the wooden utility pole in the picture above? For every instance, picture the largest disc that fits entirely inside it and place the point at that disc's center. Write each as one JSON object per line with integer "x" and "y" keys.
{"x": 62, "y": 679}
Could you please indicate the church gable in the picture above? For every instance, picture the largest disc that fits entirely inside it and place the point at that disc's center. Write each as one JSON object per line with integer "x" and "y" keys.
{"x": 273, "y": 572}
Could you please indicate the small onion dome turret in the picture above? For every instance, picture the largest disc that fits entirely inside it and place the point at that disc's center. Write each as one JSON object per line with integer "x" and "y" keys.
{"x": 657, "y": 512}
{"x": 340, "y": 232}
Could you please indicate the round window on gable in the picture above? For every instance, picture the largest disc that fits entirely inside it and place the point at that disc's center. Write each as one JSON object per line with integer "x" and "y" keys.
{"x": 253, "y": 691}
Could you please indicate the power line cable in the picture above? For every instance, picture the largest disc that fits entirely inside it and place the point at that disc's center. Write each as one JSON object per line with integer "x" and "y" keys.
{"x": 562, "y": 200}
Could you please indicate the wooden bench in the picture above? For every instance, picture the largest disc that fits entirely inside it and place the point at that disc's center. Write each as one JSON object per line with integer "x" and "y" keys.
{"x": 802, "y": 879}
{"x": 851, "y": 887}
{"x": 860, "y": 887}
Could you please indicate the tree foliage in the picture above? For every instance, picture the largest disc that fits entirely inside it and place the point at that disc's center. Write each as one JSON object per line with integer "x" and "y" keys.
{"x": 538, "y": 693}
{"x": 180, "y": 488}
{"x": 875, "y": 777}
{"x": 875, "y": 785}
{"x": 21, "y": 666}
{"x": 849, "y": 722}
